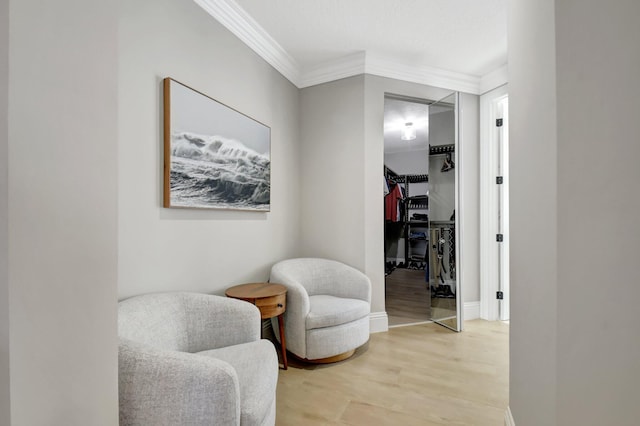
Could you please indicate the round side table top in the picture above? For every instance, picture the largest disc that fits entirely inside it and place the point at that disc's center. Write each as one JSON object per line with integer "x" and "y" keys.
{"x": 255, "y": 290}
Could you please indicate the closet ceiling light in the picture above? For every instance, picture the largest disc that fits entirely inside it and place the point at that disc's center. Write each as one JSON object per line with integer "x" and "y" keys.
{"x": 408, "y": 132}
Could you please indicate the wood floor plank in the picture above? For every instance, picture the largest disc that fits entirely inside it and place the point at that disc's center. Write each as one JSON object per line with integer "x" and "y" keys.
{"x": 360, "y": 413}
{"x": 407, "y": 297}
{"x": 415, "y": 375}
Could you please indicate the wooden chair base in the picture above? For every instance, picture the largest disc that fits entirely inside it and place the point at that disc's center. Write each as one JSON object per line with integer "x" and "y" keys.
{"x": 331, "y": 359}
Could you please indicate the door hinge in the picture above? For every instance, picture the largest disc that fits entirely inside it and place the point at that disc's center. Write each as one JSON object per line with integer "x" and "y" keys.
{"x": 499, "y": 122}
{"x": 499, "y": 180}
{"x": 499, "y": 238}
{"x": 499, "y": 295}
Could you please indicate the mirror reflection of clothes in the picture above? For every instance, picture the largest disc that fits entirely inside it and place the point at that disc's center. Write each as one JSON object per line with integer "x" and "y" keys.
{"x": 392, "y": 203}
{"x": 448, "y": 163}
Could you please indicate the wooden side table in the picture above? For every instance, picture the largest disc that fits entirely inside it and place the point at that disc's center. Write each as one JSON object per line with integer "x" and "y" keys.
{"x": 271, "y": 299}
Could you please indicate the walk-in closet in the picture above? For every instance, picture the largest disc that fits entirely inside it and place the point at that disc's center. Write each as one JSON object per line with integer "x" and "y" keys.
{"x": 420, "y": 198}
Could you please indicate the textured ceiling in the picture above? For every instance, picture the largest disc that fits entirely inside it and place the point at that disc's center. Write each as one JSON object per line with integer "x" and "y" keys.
{"x": 465, "y": 36}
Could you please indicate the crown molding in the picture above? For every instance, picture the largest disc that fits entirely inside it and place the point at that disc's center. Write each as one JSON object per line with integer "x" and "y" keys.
{"x": 243, "y": 26}
{"x": 344, "y": 67}
{"x": 494, "y": 79}
{"x": 361, "y": 63}
{"x": 430, "y": 76}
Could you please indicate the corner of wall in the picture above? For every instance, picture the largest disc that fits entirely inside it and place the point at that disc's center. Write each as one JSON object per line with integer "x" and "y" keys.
{"x": 5, "y": 403}
{"x": 508, "y": 418}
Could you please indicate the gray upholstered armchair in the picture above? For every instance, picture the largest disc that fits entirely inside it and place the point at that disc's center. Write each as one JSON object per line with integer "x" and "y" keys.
{"x": 194, "y": 359}
{"x": 328, "y": 305}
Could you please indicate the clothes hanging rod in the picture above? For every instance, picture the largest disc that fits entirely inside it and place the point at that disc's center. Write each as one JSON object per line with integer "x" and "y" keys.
{"x": 441, "y": 149}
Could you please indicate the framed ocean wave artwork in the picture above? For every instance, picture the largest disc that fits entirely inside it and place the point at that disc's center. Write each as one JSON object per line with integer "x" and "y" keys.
{"x": 214, "y": 156}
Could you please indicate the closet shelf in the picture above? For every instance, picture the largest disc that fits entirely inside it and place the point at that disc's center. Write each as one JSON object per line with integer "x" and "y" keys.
{"x": 418, "y": 202}
{"x": 443, "y": 222}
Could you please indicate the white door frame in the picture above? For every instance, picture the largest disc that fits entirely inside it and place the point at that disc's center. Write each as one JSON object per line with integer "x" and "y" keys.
{"x": 504, "y": 262}
{"x": 489, "y": 248}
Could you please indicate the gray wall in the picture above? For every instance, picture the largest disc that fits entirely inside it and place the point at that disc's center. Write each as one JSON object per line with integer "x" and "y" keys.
{"x": 598, "y": 95}
{"x": 469, "y": 216}
{"x": 533, "y": 213}
{"x": 409, "y": 162}
{"x": 62, "y": 212}
{"x": 183, "y": 249}
{"x": 332, "y": 171}
{"x": 574, "y": 268}
{"x": 442, "y": 126}
{"x": 5, "y": 404}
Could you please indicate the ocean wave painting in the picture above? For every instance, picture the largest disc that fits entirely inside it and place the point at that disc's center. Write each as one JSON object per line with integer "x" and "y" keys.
{"x": 215, "y": 156}
{"x": 214, "y": 171}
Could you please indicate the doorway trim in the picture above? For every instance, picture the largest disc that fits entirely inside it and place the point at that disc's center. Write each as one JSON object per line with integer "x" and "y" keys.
{"x": 489, "y": 250}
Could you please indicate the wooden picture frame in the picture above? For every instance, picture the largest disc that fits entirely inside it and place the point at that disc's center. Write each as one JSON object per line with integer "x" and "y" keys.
{"x": 215, "y": 157}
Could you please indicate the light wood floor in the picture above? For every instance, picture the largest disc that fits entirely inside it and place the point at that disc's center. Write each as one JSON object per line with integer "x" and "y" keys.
{"x": 416, "y": 375}
{"x": 407, "y": 297}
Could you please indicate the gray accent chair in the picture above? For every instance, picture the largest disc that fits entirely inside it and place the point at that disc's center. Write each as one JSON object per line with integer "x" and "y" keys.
{"x": 194, "y": 359}
{"x": 328, "y": 306}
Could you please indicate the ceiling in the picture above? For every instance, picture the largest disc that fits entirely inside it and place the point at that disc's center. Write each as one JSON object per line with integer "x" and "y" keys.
{"x": 465, "y": 36}
{"x": 398, "y": 112}
{"x": 455, "y": 44}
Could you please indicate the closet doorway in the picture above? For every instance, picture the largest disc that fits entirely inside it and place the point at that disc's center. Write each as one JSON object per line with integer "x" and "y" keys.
{"x": 422, "y": 250}
{"x": 406, "y": 170}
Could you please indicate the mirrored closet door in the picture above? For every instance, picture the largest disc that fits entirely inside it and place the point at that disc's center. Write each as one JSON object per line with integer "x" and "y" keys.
{"x": 444, "y": 232}
{"x": 406, "y": 160}
{"x": 421, "y": 159}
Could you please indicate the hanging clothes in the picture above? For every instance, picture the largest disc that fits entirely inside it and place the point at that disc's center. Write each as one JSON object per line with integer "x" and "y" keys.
{"x": 392, "y": 203}
{"x": 448, "y": 163}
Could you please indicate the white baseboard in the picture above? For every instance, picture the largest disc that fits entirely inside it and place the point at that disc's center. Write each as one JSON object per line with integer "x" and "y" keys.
{"x": 378, "y": 322}
{"x": 471, "y": 310}
{"x": 508, "y": 418}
